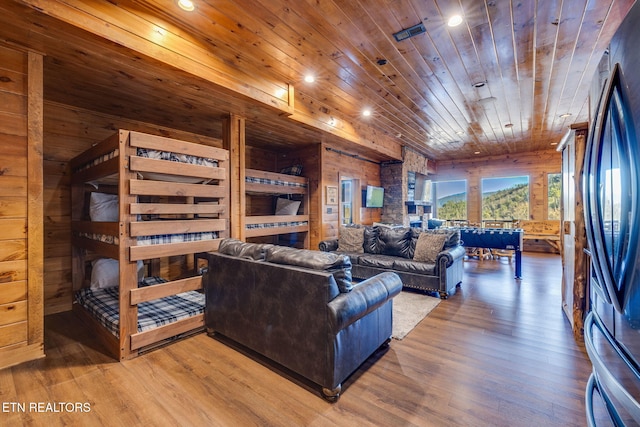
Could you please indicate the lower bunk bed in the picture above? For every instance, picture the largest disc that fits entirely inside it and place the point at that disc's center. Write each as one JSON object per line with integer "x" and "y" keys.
{"x": 156, "y": 320}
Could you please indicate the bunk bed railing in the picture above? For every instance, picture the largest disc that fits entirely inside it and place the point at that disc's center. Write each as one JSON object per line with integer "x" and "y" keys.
{"x": 162, "y": 290}
{"x": 172, "y": 249}
{"x": 105, "y": 147}
{"x": 153, "y": 336}
{"x": 170, "y": 208}
{"x": 160, "y": 143}
{"x": 151, "y": 228}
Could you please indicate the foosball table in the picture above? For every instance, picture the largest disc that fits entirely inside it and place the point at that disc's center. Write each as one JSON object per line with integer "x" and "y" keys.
{"x": 495, "y": 238}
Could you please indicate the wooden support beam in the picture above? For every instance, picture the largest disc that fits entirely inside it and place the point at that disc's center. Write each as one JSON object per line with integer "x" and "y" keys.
{"x": 233, "y": 136}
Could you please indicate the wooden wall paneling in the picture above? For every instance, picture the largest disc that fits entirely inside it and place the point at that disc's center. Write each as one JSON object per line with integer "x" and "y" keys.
{"x": 21, "y": 206}
{"x": 336, "y": 165}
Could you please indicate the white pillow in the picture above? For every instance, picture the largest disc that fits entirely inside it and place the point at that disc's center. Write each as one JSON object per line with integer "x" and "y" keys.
{"x": 103, "y": 207}
{"x": 286, "y": 206}
{"x": 105, "y": 273}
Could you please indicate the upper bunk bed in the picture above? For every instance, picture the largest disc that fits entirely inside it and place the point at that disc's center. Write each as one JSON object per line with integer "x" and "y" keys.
{"x": 139, "y": 197}
{"x": 290, "y": 214}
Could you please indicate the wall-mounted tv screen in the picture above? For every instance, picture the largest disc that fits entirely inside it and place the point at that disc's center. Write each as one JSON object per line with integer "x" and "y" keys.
{"x": 374, "y": 197}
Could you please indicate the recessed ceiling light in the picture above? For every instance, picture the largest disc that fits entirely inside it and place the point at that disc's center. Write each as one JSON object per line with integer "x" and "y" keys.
{"x": 476, "y": 152}
{"x": 460, "y": 132}
{"x": 565, "y": 115}
{"x": 554, "y": 143}
{"x": 366, "y": 112}
{"x": 159, "y": 30}
{"x": 309, "y": 78}
{"x": 186, "y": 5}
{"x": 509, "y": 125}
{"x": 454, "y": 21}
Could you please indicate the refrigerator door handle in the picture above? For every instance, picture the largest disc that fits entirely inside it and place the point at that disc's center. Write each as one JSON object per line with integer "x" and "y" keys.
{"x": 604, "y": 376}
{"x": 592, "y": 387}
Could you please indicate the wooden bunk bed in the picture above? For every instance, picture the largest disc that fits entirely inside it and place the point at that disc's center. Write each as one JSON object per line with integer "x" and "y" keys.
{"x": 171, "y": 202}
{"x": 295, "y": 188}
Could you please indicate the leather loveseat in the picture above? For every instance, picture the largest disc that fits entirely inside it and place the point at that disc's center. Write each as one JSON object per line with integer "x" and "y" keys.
{"x": 375, "y": 249}
{"x": 298, "y": 308}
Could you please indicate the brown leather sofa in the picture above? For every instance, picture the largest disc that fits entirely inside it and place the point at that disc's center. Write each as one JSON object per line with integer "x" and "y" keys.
{"x": 298, "y": 308}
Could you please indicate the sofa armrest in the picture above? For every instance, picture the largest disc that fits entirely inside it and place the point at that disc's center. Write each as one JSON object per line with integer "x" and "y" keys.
{"x": 365, "y": 297}
{"x": 328, "y": 245}
{"x": 451, "y": 254}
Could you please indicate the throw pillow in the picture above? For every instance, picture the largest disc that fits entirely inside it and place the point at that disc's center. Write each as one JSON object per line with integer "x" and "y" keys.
{"x": 293, "y": 170}
{"x": 428, "y": 247}
{"x": 395, "y": 241}
{"x": 103, "y": 207}
{"x": 351, "y": 240}
{"x": 286, "y": 206}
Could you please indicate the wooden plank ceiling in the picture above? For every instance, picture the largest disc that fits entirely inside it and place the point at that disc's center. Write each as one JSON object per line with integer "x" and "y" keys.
{"x": 152, "y": 61}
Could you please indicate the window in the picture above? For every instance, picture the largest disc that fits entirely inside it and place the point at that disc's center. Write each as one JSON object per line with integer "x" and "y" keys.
{"x": 450, "y": 200}
{"x": 346, "y": 201}
{"x": 554, "y": 181}
{"x": 505, "y": 198}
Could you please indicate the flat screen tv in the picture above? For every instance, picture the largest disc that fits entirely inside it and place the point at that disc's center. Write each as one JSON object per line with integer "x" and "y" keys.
{"x": 374, "y": 197}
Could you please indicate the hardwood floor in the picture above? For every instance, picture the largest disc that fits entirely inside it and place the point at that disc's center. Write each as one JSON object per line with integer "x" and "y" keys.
{"x": 497, "y": 353}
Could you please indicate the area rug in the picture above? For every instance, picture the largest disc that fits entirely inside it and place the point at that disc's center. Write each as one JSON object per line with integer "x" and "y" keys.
{"x": 409, "y": 308}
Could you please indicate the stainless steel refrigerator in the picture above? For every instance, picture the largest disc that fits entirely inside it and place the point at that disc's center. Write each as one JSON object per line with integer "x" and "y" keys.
{"x": 612, "y": 215}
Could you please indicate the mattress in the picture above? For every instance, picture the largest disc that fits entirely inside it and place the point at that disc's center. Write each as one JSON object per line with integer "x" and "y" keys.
{"x": 103, "y": 305}
{"x": 274, "y": 182}
{"x": 276, "y": 224}
{"x": 155, "y": 240}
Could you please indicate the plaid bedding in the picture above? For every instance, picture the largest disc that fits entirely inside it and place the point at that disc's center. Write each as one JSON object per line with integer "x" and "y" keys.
{"x": 155, "y": 240}
{"x": 175, "y": 157}
{"x": 103, "y": 305}
{"x": 276, "y": 224}
{"x": 274, "y": 182}
{"x": 155, "y": 154}
{"x": 176, "y": 238}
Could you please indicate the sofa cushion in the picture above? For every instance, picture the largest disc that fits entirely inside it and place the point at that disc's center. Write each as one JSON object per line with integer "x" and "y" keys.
{"x": 428, "y": 246}
{"x": 379, "y": 261}
{"x": 351, "y": 239}
{"x": 371, "y": 244}
{"x": 337, "y": 264}
{"x": 411, "y": 266}
{"x": 237, "y": 248}
{"x": 395, "y": 241}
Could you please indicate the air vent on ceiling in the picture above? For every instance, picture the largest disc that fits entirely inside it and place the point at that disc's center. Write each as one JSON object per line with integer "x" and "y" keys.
{"x": 410, "y": 32}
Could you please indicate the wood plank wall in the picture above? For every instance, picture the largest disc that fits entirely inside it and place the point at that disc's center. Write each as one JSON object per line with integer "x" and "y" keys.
{"x": 333, "y": 167}
{"x": 67, "y": 132}
{"x": 536, "y": 165}
{"x": 21, "y": 204}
